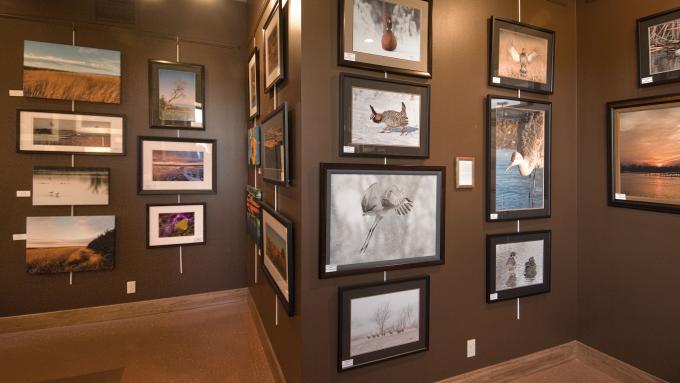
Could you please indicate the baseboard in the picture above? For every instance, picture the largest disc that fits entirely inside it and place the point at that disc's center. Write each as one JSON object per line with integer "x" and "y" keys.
{"x": 266, "y": 343}
{"x": 552, "y": 357}
{"x": 120, "y": 311}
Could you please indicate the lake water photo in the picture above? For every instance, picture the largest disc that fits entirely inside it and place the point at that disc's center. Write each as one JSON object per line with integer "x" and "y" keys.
{"x": 513, "y": 191}
{"x": 70, "y": 186}
{"x": 175, "y": 165}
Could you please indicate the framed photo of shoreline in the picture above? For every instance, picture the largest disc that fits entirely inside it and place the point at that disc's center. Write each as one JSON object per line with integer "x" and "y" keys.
{"x": 386, "y": 35}
{"x": 64, "y": 186}
{"x": 383, "y": 118}
{"x": 70, "y": 133}
{"x": 274, "y": 36}
{"x": 518, "y": 158}
{"x": 274, "y": 147}
{"x": 644, "y": 153}
{"x": 278, "y": 257}
{"x": 517, "y": 265}
{"x": 658, "y": 38}
{"x": 254, "y": 84}
{"x": 175, "y": 224}
{"x": 176, "y": 95}
{"x": 176, "y": 165}
{"x": 381, "y": 321}
{"x": 521, "y": 56}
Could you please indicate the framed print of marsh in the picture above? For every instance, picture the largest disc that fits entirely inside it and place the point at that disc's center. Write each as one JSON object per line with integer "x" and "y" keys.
{"x": 658, "y": 38}
{"x": 383, "y": 118}
{"x": 176, "y": 95}
{"x": 386, "y": 35}
{"x": 175, "y": 225}
{"x": 274, "y": 149}
{"x": 274, "y": 36}
{"x": 644, "y": 153}
{"x": 521, "y": 56}
{"x": 254, "y": 84}
{"x": 63, "y": 186}
{"x": 518, "y": 158}
{"x": 278, "y": 257}
{"x": 68, "y": 72}
{"x": 517, "y": 265}
{"x": 380, "y": 217}
{"x": 176, "y": 165}
{"x": 381, "y": 321}
{"x": 70, "y": 133}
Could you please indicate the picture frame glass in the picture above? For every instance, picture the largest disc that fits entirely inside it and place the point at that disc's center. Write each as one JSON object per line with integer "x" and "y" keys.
{"x": 176, "y": 224}
{"x": 253, "y": 85}
{"x": 276, "y": 255}
{"x": 254, "y": 218}
{"x": 63, "y": 186}
{"x": 173, "y": 165}
{"x": 176, "y": 96}
{"x": 657, "y": 52}
{"x": 274, "y": 146}
{"x": 273, "y": 47}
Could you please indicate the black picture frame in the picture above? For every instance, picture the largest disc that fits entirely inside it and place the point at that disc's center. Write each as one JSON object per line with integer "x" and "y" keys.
{"x": 365, "y": 214}
{"x": 141, "y": 161}
{"x": 349, "y": 57}
{"x": 498, "y": 80}
{"x": 493, "y": 294}
{"x": 155, "y": 122}
{"x": 274, "y": 121}
{"x": 493, "y": 214}
{"x": 203, "y": 239}
{"x": 286, "y": 299}
{"x": 20, "y": 133}
{"x": 348, "y": 149}
{"x": 347, "y": 360}
{"x": 278, "y": 14}
{"x": 254, "y": 61}
{"x": 618, "y": 194}
{"x": 646, "y": 78}
{"x": 65, "y": 169}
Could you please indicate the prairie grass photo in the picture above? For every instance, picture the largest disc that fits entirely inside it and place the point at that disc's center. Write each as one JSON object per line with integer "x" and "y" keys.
{"x": 522, "y": 56}
{"x": 70, "y": 186}
{"x": 176, "y": 224}
{"x": 175, "y": 165}
{"x": 275, "y": 250}
{"x": 519, "y": 264}
{"x": 176, "y": 95}
{"x": 664, "y": 47}
{"x": 71, "y": 132}
{"x": 70, "y": 244}
{"x": 383, "y": 321}
{"x": 68, "y": 72}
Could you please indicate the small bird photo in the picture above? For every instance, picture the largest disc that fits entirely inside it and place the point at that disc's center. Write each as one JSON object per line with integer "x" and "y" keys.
{"x": 522, "y": 56}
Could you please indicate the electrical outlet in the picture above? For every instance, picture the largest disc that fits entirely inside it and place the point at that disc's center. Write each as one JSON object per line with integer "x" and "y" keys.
{"x": 471, "y": 348}
{"x": 131, "y": 287}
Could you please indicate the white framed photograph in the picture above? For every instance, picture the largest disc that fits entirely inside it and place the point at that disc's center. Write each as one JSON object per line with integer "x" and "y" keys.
{"x": 175, "y": 225}
{"x": 274, "y": 47}
{"x": 63, "y": 186}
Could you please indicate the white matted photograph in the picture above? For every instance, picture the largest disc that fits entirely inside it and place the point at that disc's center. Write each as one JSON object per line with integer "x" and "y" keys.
{"x": 277, "y": 256}
{"x": 175, "y": 224}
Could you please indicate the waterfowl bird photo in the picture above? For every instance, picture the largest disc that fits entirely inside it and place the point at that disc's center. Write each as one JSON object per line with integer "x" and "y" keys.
{"x": 378, "y": 201}
{"x": 522, "y": 58}
{"x": 529, "y": 156}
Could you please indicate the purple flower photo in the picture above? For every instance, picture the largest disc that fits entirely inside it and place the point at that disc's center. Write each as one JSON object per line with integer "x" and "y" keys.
{"x": 175, "y": 224}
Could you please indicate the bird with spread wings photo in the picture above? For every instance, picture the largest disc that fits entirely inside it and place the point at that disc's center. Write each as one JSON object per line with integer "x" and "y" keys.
{"x": 522, "y": 56}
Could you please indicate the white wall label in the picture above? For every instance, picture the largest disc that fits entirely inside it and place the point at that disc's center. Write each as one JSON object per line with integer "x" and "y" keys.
{"x": 18, "y": 237}
{"x": 23, "y": 193}
{"x": 493, "y": 297}
{"x": 16, "y": 93}
{"x": 493, "y": 216}
{"x": 348, "y": 149}
{"x": 647, "y": 80}
{"x": 349, "y": 56}
{"x": 347, "y": 363}
{"x": 331, "y": 268}
{"x": 471, "y": 348}
{"x": 620, "y": 196}
{"x": 496, "y": 80}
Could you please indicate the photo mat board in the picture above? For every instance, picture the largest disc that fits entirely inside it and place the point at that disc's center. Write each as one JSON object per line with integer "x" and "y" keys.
{"x": 64, "y": 186}
{"x": 69, "y": 72}
{"x": 381, "y": 321}
{"x": 278, "y": 257}
{"x": 517, "y": 265}
{"x": 274, "y": 36}
{"x": 175, "y": 224}
{"x": 521, "y": 56}
{"x": 644, "y": 153}
{"x": 383, "y": 118}
{"x": 254, "y": 84}
{"x": 176, "y": 165}
{"x": 70, "y": 133}
{"x": 254, "y": 146}
{"x": 388, "y": 36}
{"x": 658, "y": 38}
{"x": 518, "y": 158}
{"x": 380, "y": 217}
{"x": 176, "y": 95}
{"x": 70, "y": 244}
{"x": 274, "y": 147}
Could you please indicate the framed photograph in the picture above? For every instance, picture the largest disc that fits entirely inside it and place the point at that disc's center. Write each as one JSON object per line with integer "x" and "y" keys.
{"x": 68, "y": 72}
{"x": 254, "y": 139}
{"x": 274, "y": 148}
{"x": 380, "y": 217}
{"x": 70, "y": 244}
{"x": 175, "y": 225}
{"x": 521, "y": 56}
{"x": 176, "y": 165}
{"x": 386, "y": 35}
{"x": 382, "y": 321}
{"x": 384, "y": 118}
{"x": 274, "y": 36}
{"x": 278, "y": 258}
{"x": 70, "y": 133}
{"x": 644, "y": 153}
{"x": 176, "y": 95}
{"x": 518, "y": 158}
{"x": 465, "y": 172}
{"x": 517, "y": 265}
{"x": 254, "y": 84}
{"x": 59, "y": 186}
{"x": 658, "y": 38}
{"x": 254, "y": 216}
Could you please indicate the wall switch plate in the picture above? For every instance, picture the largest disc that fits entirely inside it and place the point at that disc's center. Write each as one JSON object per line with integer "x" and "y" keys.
{"x": 131, "y": 287}
{"x": 471, "y": 348}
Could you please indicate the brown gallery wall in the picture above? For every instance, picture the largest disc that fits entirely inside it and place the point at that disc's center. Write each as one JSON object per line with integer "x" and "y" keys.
{"x": 458, "y": 308}
{"x": 628, "y": 259}
{"x": 219, "y": 264}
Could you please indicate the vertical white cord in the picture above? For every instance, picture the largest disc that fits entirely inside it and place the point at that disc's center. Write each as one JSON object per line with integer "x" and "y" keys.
{"x": 73, "y": 156}
{"x": 518, "y": 226}
{"x": 385, "y": 74}
{"x": 177, "y": 49}
{"x": 276, "y": 198}
{"x": 179, "y": 197}
{"x": 519, "y": 10}
{"x": 384, "y": 276}
{"x": 255, "y": 174}
{"x": 385, "y": 161}
{"x": 181, "y": 263}
{"x": 276, "y": 309}
{"x": 276, "y": 103}
{"x": 517, "y": 308}
{"x": 256, "y": 259}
